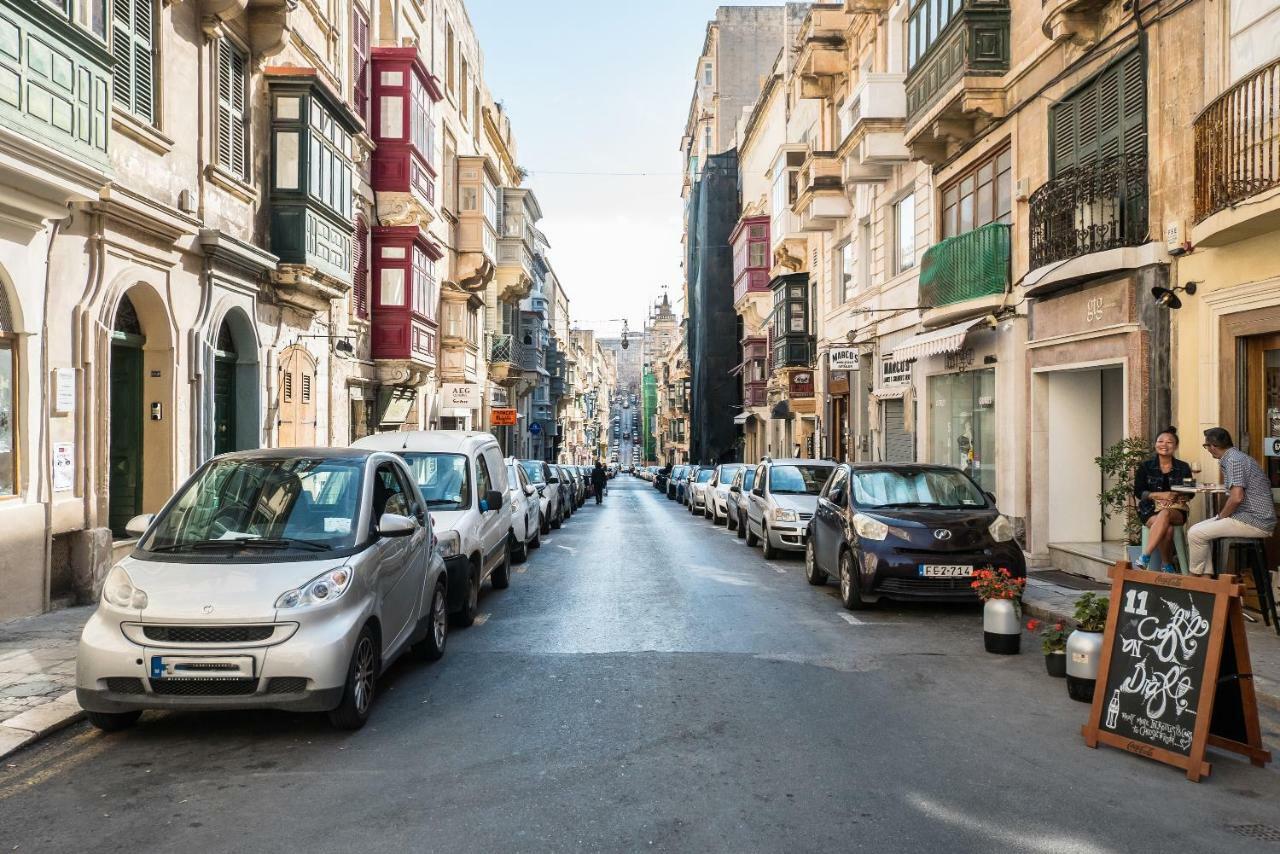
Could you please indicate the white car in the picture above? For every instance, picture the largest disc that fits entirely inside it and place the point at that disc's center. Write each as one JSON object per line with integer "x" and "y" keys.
{"x": 698, "y": 489}
{"x": 717, "y": 503}
{"x": 273, "y": 579}
{"x": 463, "y": 480}
{"x": 526, "y": 511}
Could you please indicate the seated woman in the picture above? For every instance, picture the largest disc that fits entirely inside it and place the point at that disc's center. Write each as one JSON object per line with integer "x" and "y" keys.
{"x": 1160, "y": 509}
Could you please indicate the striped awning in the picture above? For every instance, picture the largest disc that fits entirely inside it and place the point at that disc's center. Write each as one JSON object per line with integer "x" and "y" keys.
{"x": 935, "y": 342}
{"x": 890, "y": 392}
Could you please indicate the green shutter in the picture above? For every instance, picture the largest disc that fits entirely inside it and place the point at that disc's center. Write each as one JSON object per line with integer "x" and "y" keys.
{"x": 133, "y": 45}
{"x": 1106, "y": 118}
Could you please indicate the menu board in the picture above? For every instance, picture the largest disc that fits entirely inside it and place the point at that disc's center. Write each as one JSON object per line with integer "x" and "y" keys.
{"x": 1175, "y": 675}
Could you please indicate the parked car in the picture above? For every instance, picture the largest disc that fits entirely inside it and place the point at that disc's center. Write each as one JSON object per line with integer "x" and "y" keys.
{"x": 697, "y": 489}
{"x": 579, "y": 486}
{"x": 568, "y": 490}
{"x": 545, "y": 480}
{"x": 464, "y": 481}
{"x": 585, "y": 473}
{"x": 716, "y": 503}
{"x": 526, "y": 511}
{"x": 906, "y": 531}
{"x": 739, "y": 492}
{"x": 662, "y": 478}
{"x": 782, "y": 500}
{"x": 280, "y": 579}
{"x": 676, "y": 483}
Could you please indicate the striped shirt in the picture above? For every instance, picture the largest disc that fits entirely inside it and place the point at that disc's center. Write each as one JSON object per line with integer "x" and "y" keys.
{"x": 1258, "y": 508}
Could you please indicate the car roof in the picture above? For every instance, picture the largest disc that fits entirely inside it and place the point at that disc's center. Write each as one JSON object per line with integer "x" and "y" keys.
{"x": 797, "y": 461}
{"x": 428, "y": 441}
{"x": 352, "y": 453}
{"x": 910, "y": 467}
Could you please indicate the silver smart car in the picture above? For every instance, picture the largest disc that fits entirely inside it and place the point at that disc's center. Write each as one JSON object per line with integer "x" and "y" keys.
{"x": 281, "y": 579}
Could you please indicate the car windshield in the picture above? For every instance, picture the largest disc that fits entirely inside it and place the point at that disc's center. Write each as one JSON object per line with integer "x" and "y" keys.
{"x": 798, "y": 479}
{"x": 942, "y": 488}
{"x": 533, "y": 469}
{"x": 727, "y": 474}
{"x": 443, "y": 479}
{"x": 293, "y": 506}
{"x": 704, "y": 475}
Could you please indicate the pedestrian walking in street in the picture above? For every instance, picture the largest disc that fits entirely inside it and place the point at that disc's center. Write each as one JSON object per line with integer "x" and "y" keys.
{"x": 1159, "y": 508}
{"x": 1249, "y": 511}
{"x": 599, "y": 479}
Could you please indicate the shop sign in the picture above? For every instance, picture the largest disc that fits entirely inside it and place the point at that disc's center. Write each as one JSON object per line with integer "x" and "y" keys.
{"x": 838, "y": 384}
{"x": 502, "y": 417}
{"x": 64, "y": 399}
{"x": 498, "y": 397}
{"x": 895, "y": 372}
{"x": 800, "y": 384}
{"x": 843, "y": 359}
{"x": 460, "y": 395}
{"x": 64, "y": 466}
{"x": 1092, "y": 308}
{"x": 959, "y": 360}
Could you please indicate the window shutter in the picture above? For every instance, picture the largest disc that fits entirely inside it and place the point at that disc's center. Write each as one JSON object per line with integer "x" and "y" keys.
{"x": 232, "y": 131}
{"x": 1106, "y": 93}
{"x": 133, "y": 46}
{"x": 1134, "y": 110}
{"x": 360, "y": 289}
{"x": 360, "y": 63}
{"x": 1105, "y": 119}
{"x": 122, "y": 50}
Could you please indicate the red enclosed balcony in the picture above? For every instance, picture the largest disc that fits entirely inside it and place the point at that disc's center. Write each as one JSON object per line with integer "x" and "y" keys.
{"x": 403, "y": 95}
{"x": 404, "y": 319}
{"x": 750, "y": 242}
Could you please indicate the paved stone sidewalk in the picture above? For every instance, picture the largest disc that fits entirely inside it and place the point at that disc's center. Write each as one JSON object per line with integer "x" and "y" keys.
{"x": 38, "y": 674}
{"x": 1050, "y": 601}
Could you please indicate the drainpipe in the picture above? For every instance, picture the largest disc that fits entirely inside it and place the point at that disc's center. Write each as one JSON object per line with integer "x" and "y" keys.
{"x": 333, "y": 376}
{"x": 44, "y": 492}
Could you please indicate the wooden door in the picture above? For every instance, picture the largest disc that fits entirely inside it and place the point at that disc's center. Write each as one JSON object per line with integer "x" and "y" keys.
{"x": 1262, "y": 414}
{"x": 125, "y": 455}
{"x": 224, "y": 405}
{"x": 297, "y": 420}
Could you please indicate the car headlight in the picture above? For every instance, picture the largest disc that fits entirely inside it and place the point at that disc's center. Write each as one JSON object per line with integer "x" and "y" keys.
{"x": 449, "y": 543}
{"x": 783, "y": 515}
{"x": 118, "y": 590}
{"x": 1001, "y": 529}
{"x": 868, "y": 528}
{"x": 323, "y": 588}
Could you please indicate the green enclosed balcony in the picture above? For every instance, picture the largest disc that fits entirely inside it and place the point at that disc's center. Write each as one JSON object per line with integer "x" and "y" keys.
{"x": 966, "y": 275}
{"x": 55, "y": 77}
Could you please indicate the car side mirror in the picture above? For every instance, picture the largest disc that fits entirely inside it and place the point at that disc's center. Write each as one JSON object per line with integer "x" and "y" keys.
{"x": 735, "y": 489}
{"x": 529, "y": 490}
{"x": 395, "y": 525}
{"x": 138, "y": 524}
{"x": 553, "y": 480}
{"x": 492, "y": 501}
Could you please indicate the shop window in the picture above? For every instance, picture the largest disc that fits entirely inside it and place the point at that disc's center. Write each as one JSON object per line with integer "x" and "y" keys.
{"x": 962, "y": 425}
{"x": 979, "y": 196}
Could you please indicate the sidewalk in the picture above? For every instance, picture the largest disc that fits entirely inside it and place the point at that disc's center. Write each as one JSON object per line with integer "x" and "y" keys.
{"x": 1048, "y": 599}
{"x": 38, "y": 675}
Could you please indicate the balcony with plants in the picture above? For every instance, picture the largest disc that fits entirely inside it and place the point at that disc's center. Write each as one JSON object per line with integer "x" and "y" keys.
{"x": 957, "y": 55}
{"x": 311, "y": 194}
{"x": 965, "y": 276}
{"x": 1237, "y": 156}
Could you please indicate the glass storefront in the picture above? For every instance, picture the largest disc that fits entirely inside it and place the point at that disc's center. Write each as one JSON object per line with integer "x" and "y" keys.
{"x": 962, "y": 425}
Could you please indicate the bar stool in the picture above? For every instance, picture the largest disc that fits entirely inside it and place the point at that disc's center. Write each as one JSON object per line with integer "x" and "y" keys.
{"x": 1252, "y": 551}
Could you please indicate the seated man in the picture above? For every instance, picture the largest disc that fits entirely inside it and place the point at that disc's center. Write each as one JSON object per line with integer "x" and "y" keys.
{"x": 1249, "y": 511}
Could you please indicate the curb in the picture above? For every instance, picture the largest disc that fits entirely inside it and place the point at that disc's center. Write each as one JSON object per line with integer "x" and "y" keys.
{"x": 34, "y": 724}
{"x": 1267, "y": 690}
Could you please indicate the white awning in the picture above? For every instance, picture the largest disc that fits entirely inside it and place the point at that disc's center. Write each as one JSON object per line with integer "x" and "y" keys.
{"x": 890, "y": 392}
{"x": 949, "y": 339}
{"x": 743, "y": 418}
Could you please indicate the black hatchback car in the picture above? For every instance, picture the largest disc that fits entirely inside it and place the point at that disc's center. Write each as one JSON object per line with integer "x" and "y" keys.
{"x": 906, "y": 531}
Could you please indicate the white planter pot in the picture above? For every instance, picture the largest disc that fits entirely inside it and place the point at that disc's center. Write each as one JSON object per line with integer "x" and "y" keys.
{"x": 1001, "y": 627}
{"x": 1084, "y": 654}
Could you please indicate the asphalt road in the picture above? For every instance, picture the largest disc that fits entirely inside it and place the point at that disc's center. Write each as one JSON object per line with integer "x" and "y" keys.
{"x": 648, "y": 683}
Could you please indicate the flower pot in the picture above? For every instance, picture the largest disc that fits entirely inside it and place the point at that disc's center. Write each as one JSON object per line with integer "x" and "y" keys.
{"x": 1084, "y": 653}
{"x": 1001, "y": 628}
{"x": 1056, "y": 663}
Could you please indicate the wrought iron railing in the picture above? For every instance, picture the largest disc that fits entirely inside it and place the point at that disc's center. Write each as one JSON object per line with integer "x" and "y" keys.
{"x": 1238, "y": 142}
{"x": 969, "y": 266}
{"x": 501, "y": 348}
{"x": 1091, "y": 208}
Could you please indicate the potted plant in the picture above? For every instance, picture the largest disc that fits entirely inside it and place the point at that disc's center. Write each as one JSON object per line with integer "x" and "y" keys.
{"x": 1001, "y": 594}
{"x": 1053, "y": 642}
{"x": 1084, "y": 646}
{"x": 1116, "y": 466}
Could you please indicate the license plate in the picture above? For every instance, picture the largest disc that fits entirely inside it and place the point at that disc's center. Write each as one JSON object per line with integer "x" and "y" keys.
{"x": 175, "y": 667}
{"x": 946, "y": 570}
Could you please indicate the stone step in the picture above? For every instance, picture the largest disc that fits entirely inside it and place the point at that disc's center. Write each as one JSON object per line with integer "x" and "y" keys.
{"x": 1090, "y": 560}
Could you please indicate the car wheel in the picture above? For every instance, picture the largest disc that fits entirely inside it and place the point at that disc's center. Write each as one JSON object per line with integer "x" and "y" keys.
{"x": 850, "y": 594}
{"x": 559, "y": 520}
{"x": 502, "y": 575}
{"x": 769, "y": 551}
{"x": 546, "y": 527}
{"x": 357, "y": 694}
{"x": 518, "y": 549}
{"x": 113, "y": 721}
{"x": 742, "y": 528}
{"x": 536, "y": 542}
{"x": 431, "y": 648}
{"x": 752, "y": 539}
{"x": 730, "y": 521}
{"x": 812, "y": 572}
{"x": 471, "y": 606}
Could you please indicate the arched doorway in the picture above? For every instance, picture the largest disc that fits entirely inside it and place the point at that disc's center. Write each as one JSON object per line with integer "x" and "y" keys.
{"x": 297, "y": 420}
{"x": 125, "y": 454}
{"x": 225, "y": 361}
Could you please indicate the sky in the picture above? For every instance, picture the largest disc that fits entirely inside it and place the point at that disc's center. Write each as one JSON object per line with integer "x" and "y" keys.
{"x": 600, "y": 88}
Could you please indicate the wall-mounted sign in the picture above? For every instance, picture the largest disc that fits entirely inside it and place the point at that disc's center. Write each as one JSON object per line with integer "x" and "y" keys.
{"x": 502, "y": 417}
{"x": 536, "y": 428}
{"x": 1271, "y": 447}
{"x": 460, "y": 396}
{"x": 895, "y": 372}
{"x": 64, "y": 399}
{"x": 801, "y": 384}
{"x": 959, "y": 360}
{"x": 498, "y": 396}
{"x": 64, "y": 466}
{"x": 843, "y": 359}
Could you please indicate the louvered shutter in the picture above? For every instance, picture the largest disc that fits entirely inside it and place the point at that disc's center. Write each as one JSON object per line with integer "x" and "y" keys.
{"x": 360, "y": 64}
{"x": 1133, "y": 116}
{"x": 232, "y": 132}
{"x": 360, "y": 290}
{"x": 1105, "y": 119}
{"x": 133, "y": 46}
{"x": 122, "y": 49}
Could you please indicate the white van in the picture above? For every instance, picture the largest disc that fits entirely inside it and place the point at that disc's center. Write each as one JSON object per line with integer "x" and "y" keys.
{"x": 463, "y": 479}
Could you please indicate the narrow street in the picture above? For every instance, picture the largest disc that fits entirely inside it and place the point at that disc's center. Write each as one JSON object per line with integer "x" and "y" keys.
{"x": 649, "y": 683}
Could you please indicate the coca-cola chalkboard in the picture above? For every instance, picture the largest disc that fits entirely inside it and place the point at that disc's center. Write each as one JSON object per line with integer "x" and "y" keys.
{"x": 1175, "y": 673}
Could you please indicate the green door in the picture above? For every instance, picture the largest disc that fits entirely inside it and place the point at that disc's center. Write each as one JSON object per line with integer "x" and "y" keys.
{"x": 126, "y": 435}
{"x": 224, "y": 405}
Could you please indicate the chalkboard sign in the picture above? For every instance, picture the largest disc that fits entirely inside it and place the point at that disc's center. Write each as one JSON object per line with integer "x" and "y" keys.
{"x": 1175, "y": 673}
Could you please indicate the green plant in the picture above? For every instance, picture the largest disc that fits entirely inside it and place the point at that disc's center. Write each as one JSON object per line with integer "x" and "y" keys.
{"x": 997, "y": 584}
{"x": 1053, "y": 638}
{"x": 1091, "y": 612}
{"x": 1117, "y": 464}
